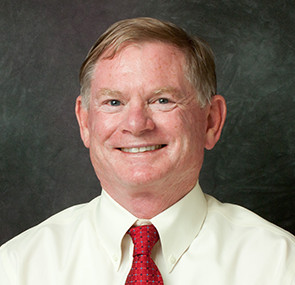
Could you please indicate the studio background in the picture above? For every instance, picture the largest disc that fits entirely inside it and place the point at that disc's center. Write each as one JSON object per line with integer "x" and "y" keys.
{"x": 44, "y": 166}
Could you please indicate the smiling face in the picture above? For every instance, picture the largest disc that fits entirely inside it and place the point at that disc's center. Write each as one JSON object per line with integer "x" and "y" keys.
{"x": 144, "y": 127}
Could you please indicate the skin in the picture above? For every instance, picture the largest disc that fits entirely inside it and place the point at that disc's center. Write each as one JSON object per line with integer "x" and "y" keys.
{"x": 141, "y": 98}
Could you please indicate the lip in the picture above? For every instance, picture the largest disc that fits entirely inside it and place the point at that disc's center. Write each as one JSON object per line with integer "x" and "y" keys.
{"x": 141, "y": 149}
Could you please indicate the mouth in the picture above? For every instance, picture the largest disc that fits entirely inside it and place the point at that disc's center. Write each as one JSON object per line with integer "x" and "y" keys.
{"x": 142, "y": 148}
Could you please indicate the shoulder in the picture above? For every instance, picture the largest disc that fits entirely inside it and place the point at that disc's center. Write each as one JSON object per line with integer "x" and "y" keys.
{"x": 249, "y": 239}
{"x": 240, "y": 218}
{"x": 56, "y": 228}
{"x": 49, "y": 246}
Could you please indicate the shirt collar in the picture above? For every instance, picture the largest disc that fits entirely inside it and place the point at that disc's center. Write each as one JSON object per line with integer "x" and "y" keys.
{"x": 113, "y": 221}
{"x": 180, "y": 222}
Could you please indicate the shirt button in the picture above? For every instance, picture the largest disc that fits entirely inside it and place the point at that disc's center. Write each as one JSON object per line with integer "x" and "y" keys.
{"x": 172, "y": 259}
{"x": 115, "y": 258}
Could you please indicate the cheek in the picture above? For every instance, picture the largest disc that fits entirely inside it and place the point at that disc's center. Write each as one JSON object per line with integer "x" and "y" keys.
{"x": 101, "y": 127}
{"x": 181, "y": 126}
{"x": 193, "y": 128}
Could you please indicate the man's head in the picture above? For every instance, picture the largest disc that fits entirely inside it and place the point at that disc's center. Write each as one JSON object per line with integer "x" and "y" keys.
{"x": 143, "y": 121}
{"x": 199, "y": 67}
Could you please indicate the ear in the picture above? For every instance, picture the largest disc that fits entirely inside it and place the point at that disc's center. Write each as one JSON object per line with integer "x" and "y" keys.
{"x": 82, "y": 117}
{"x": 215, "y": 120}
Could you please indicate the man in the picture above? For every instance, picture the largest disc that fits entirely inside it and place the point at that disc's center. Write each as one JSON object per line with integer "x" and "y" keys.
{"x": 148, "y": 108}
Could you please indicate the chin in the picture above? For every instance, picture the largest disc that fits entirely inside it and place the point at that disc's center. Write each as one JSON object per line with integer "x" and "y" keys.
{"x": 143, "y": 178}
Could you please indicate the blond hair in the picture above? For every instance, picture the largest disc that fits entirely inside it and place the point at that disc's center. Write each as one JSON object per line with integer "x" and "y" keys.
{"x": 199, "y": 69}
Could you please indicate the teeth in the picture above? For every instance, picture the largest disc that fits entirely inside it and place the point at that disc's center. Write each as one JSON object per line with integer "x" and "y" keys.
{"x": 141, "y": 149}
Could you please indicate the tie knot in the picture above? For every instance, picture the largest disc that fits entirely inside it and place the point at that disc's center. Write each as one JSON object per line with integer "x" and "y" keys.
{"x": 144, "y": 238}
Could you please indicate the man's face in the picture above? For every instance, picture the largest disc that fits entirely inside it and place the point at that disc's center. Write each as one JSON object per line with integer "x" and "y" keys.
{"x": 144, "y": 125}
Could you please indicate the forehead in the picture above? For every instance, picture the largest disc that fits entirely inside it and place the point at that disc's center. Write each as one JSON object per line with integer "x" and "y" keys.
{"x": 147, "y": 59}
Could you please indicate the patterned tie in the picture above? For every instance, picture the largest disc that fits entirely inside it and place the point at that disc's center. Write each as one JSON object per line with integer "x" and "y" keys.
{"x": 144, "y": 270}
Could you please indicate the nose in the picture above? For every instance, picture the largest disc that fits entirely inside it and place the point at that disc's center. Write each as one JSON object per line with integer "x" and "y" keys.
{"x": 138, "y": 120}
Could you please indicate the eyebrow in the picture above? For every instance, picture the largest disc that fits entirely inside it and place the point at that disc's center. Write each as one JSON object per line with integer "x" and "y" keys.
{"x": 107, "y": 92}
{"x": 165, "y": 90}
{"x": 170, "y": 90}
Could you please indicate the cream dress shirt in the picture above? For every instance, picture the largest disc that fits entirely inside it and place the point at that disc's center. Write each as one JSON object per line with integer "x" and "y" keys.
{"x": 202, "y": 242}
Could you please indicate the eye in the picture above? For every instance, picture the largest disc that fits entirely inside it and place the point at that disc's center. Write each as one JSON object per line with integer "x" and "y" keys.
{"x": 163, "y": 104}
{"x": 163, "y": 100}
{"x": 111, "y": 105}
{"x": 114, "y": 103}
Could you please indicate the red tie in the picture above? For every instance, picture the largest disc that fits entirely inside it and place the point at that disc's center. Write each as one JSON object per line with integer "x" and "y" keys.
{"x": 144, "y": 270}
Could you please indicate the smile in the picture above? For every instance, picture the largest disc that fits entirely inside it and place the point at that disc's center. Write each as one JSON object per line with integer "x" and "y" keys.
{"x": 141, "y": 149}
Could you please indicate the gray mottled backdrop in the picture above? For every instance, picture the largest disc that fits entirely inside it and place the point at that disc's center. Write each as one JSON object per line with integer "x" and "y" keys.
{"x": 44, "y": 167}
